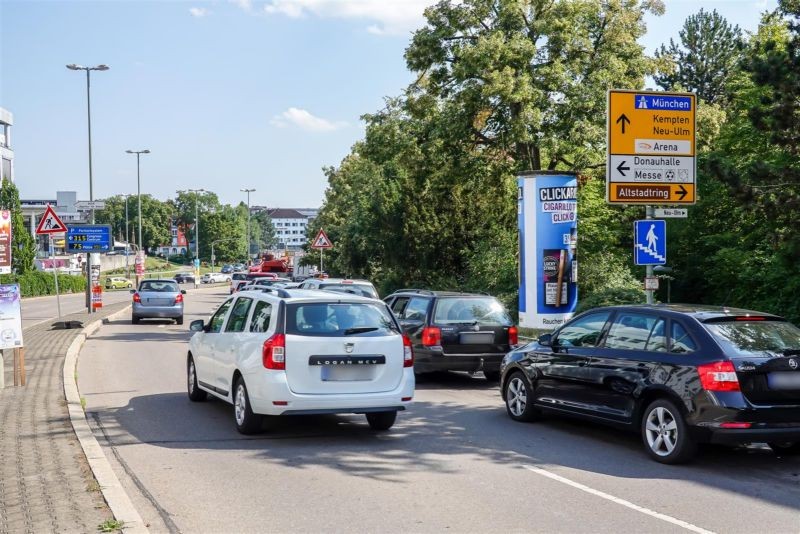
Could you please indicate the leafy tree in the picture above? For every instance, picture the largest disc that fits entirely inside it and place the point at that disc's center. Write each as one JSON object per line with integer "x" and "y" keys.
{"x": 262, "y": 231}
{"x": 23, "y": 247}
{"x": 184, "y": 210}
{"x": 704, "y": 59}
{"x": 224, "y": 228}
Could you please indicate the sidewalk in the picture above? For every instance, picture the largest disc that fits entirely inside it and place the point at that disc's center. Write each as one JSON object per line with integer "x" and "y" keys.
{"x": 45, "y": 481}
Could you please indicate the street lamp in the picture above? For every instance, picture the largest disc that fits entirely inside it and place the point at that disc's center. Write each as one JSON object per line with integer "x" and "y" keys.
{"x": 127, "y": 238}
{"x": 139, "y": 189}
{"x": 248, "y": 191}
{"x": 73, "y": 66}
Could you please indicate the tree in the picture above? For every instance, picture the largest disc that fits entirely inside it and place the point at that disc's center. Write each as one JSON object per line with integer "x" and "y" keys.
{"x": 23, "y": 247}
{"x": 262, "y": 231}
{"x": 224, "y": 228}
{"x": 188, "y": 203}
{"x": 704, "y": 59}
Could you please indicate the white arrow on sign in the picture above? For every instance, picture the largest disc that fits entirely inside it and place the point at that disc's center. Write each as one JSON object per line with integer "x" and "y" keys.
{"x": 651, "y": 169}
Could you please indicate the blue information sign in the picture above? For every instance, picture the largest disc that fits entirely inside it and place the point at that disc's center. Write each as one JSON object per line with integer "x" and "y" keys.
{"x": 650, "y": 242}
{"x": 89, "y": 238}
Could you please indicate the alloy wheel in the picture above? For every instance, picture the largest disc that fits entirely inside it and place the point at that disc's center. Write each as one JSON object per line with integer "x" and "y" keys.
{"x": 240, "y": 405}
{"x": 516, "y": 397}
{"x": 191, "y": 377}
{"x": 661, "y": 431}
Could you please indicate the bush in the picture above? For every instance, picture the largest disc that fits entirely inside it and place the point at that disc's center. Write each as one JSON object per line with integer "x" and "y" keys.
{"x": 38, "y": 283}
{"x": 611, "y": 296}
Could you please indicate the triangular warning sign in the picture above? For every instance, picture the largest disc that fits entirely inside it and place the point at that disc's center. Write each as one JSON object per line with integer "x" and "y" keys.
{"x": 322, "y": 241}
{"x": 50, "y": 223}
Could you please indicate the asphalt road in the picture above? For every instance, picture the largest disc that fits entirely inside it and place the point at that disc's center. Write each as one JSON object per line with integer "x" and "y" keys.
{"x": 453, "y": 463}
{"x": 38, "y": 309}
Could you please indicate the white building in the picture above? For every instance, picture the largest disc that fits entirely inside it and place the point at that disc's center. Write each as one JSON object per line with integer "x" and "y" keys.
{"x": 6, "y": 152}
{"x": 290, "y": 227}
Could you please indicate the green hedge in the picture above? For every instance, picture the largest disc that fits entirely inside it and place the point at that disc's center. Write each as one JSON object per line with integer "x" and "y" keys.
{"x": 38, "y": 283}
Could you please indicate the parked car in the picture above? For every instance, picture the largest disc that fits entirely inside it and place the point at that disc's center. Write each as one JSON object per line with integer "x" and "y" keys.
{"x": 356, "y": 287}
{"x": 453, "y": 331}
{"x": 215, "y": 278}
{"x": 677, "y": 374}
{"x": 276, "y": 352}
{"x": 185, "y": 278}
{"x": 239, "y": 280}
{"x": 239, "y": 267}
{"x": 158, "y": 299}
{"x": 118, "y": 282}
{"x": 227, "y": 269}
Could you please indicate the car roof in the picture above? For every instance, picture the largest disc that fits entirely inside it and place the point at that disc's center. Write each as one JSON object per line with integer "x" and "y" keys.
{"x": 429, "y": 293}
{"x": 701, "y": 312}
{"x": 312, "y": 295}
{"x": 339, "y": 280}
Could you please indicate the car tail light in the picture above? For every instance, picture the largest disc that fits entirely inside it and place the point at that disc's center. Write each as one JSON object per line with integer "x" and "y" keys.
{"x": 718, "y": 376}
{"x": 408, "y": 352}
{"x": 431, "y": 336}
{"x": 137, "y": 298}
{"x": 749, "y": 318}
{"x": 273, "y": 353}
{"x": 513, "y": 336}
{"x": 178, "y": 298}
{"x": 735, "y": 425}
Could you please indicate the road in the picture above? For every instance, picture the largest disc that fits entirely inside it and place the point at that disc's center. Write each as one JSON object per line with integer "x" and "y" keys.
{"x": 454, "y": 462}
{"x": 38, "y": 309}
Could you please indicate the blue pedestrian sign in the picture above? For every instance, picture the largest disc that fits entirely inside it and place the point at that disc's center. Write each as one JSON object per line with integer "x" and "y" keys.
{"x": 650, "y": 242}
{"x": 89, "y": 238}
{"x": 197, "y": 263}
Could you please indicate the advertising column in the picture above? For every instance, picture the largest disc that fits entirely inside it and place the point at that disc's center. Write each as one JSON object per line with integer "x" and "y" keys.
{"x": 548, "y": 234}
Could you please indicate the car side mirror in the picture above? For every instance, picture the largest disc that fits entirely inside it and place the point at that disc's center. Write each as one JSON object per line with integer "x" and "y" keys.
{"x": 183, "y": 291}
{"x": 132, "y": 291}
{"x": 197, "y": 326}
{"x": 546, "y": 340}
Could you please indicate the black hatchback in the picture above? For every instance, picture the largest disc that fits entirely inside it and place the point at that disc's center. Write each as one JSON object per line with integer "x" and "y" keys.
{"x": 453, "y": 331}
{"x": 678, "y": 374}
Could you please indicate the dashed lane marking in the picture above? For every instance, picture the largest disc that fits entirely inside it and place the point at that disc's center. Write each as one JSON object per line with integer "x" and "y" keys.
{"x": 617, "y": 500}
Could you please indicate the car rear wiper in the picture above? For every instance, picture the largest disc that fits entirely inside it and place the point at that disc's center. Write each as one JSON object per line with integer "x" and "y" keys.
{"x": 360, "y": 330}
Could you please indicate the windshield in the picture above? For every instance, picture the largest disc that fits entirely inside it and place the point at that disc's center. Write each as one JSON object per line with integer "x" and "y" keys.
{"x": 239, "y": 276}
{"x": 471, "y": 310}
{"x": 339, "y": 320}
{"x": 362, "y": 290}
{"x": 756, "y": 338}
{"x": 160, "y": 287}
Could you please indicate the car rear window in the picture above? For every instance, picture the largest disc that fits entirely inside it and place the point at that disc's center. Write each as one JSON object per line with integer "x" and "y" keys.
{"x": 159, "y": 287}
{"x": 362, "y": 290}
{"x": 339, "y": 320}
{"x": 471, "y": 310}
{"x": 756, "y": 338}
{"x": 239, "y": 276}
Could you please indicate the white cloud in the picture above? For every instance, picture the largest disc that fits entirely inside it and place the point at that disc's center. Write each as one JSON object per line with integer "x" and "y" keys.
{"x": 387, "y": 17}
{"x": 247, "y": 5}
{"x": 303, "y": 119}
{"x": 199, "y": 11}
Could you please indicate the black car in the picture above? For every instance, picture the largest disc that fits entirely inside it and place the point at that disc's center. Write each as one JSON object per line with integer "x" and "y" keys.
{"x": 454, "y": 331}
{"x": 677, "y": 374}
{"x": 185, "y": 278}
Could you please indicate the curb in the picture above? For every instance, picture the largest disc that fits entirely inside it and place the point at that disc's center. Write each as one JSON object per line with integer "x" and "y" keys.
{"x": 115, "y": 495}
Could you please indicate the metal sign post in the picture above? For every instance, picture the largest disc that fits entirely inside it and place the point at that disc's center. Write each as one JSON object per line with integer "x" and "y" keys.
{"x": 321, "y": 242}
{"x": 55, "y": 273}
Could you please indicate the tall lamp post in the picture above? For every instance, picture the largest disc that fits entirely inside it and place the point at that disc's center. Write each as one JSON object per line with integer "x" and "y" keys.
{"x": 127, "y": 239}
{"x": 139, "y": 200}
{"x": 73, "y": 66}
{"x": 248, "y": 191}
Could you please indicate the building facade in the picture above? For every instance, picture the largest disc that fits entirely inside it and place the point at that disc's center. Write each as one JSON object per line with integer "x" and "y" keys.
{"x": 6, "y": 152}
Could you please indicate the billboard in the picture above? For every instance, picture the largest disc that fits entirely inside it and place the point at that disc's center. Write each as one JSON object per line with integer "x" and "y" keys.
{"x": 547, "y": 215}
{"x": 10, "y": 317}
{"x": 5, "y": 241}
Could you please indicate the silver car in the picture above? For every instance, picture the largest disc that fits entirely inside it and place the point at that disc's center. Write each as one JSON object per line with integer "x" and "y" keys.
{"x": 158, "y": 299}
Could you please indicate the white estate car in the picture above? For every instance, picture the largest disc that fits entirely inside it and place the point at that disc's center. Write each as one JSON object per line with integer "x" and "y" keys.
{"x": 294, "y": 352}
{"x": 215, "y": 278}
{"x": 344, "y": 285}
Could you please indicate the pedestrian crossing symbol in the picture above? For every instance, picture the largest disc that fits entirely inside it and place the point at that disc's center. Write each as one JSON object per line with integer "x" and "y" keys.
{"x": 322, "y": 241}
{"x": 50, "y": 223}
{"x": 650, "y": 242}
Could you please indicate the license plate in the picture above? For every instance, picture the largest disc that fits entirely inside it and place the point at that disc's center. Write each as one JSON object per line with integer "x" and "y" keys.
{"x": 476, "y": 338}
{"x": 344, "y": 373}
{"x": 780, "y": 381}
{"x": 345, "y": 361}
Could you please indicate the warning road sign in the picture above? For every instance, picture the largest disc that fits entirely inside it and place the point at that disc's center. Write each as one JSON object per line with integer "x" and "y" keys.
{"x": 322, "y": 241}
{"x": 651, "y": 147}
{"x": 50, "y": 223}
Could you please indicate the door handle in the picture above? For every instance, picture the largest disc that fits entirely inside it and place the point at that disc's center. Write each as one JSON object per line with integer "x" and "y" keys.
{"x": 583, "y": 362}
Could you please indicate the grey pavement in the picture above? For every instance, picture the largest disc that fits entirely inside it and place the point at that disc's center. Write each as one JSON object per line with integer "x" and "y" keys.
{"x": 45, "y": 481}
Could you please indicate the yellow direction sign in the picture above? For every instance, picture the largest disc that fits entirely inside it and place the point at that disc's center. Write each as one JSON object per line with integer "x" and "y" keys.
{"x": 651, "y": 148}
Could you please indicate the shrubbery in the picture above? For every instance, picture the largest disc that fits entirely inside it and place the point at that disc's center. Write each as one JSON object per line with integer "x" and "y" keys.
{"x": 38, "y": 283}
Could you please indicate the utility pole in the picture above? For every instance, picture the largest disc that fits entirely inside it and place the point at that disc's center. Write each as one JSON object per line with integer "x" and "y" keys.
{"x": 248, "y": 191}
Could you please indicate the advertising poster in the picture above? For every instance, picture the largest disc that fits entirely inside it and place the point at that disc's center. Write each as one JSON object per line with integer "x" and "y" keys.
{"x": 5, "y": 242}
{"x": 548, "y": 237}
{"x": 10, "y": 317}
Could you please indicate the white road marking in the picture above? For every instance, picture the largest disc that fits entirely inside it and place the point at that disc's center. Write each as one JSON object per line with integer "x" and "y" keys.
{"x": 623, "y": 502}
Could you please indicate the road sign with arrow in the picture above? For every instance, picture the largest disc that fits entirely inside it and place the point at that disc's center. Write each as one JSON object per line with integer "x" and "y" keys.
{"x": 651, "y": 148}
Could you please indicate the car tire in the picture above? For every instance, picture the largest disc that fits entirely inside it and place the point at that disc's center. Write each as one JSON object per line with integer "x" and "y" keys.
{"x": 179, "y": 321}
{"x": 246, "y": 421}
{"x": 492, "y": 376}
{"x": 785, "y": 448}
{"x": 135, "y": 320}
{"x": 195, "y": 393}
{"x": 518, "y": 396}
{"x": 130, "y": 286}
{"x": 665, "y": 433}
{"x": 381, "y": 420}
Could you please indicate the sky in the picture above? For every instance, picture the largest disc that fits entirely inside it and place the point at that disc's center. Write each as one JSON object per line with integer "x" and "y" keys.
{"x": 227, "y": 94}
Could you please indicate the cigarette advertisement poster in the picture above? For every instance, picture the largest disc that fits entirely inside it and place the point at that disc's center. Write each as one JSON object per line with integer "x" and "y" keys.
{"x": 10, "y": 317}
{"x": 5, "y": 242}
{"x": 548, "y": 235}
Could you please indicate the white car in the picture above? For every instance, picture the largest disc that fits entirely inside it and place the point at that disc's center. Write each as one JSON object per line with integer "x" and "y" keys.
{"x": 215, "y": 278}
{"x": 342, "y": 285}
{"x": 273, "y": 352}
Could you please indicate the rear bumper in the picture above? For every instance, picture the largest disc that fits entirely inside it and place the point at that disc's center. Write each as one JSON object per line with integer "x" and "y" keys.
{"x": 731, "y": 436}
{"x": 157, "y": 312}
{"x": 432, "y": 360}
